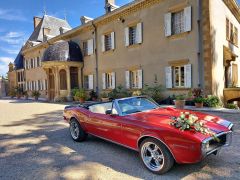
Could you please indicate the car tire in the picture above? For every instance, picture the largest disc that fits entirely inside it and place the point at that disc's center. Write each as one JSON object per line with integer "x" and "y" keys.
{"x": 155, "y": 156}
{"x": 76, "y": 131}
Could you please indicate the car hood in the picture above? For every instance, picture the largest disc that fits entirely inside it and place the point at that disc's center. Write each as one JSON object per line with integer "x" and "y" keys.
{"x": 162, "y": 117}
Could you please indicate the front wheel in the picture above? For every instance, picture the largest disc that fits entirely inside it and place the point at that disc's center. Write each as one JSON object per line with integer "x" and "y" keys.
{"x": 76, "y": 131}
{"x": 156, "y": 156}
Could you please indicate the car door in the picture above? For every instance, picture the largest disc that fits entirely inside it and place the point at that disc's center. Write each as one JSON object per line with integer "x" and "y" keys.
{"x": 107, "y": 126}
{"x": 103, "y": 125}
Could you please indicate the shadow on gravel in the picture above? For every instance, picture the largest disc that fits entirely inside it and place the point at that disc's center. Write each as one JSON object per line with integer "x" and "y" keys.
{"x": 46, "y": 151}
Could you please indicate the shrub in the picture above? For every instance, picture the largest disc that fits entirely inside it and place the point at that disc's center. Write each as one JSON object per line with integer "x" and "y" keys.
{"x": 232, "y": 106}
{"x": 155, "y": 92}
{"x": 74, "y": 91}
{"x": 93, "y": 95}
{"x": 104, "y": 95}
{"x": 197, "y": 92}
{"x": 80, "y": 94}
{"x": 199, "y": 100}
{"x": 36, "y": 94}
{"x": 12, "y": 92}
{"x": 180, "y": 97}
{"x": 119, "y": 92}
{"x": 212, "y": 101}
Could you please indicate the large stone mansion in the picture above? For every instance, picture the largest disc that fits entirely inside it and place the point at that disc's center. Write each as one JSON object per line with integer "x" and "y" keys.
{"x": 181, "y": 44}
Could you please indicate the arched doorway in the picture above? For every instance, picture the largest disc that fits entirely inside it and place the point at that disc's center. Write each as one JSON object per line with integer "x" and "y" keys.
{"x": 51, "y": 85}
{"x": 63, "y": 79}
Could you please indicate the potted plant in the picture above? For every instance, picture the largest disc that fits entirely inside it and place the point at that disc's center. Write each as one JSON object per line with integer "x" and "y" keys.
{"x": 36, "y": 95}
{"x": 25, "y": 94}
{"x": 104, "y": 97}
{"x": 198, "y": 102}
{"x": 179, "y": 101}
{"x": 80, "y": 95}
{"x": 93, "y": 95}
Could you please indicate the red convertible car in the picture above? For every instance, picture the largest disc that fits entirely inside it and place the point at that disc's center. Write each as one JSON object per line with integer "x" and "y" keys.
{"x": 141, "y": 124}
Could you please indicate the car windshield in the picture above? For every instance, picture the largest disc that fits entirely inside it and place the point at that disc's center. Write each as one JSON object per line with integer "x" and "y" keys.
{"x": 138, "y": 104}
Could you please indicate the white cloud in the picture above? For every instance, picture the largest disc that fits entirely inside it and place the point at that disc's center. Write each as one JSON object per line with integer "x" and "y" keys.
{"x": 4, "y": 62}
{"x": 12, "y": 15}
{"x": 13, "y": 38}
{"x": 10, "y": 51}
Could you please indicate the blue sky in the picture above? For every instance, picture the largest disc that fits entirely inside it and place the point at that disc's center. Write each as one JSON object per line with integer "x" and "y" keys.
{"x": 16, "y": 20}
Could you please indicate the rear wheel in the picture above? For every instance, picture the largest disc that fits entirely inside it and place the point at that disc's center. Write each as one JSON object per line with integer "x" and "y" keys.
{"x": 156, "y": 156}
{"x": 76, "y": 131}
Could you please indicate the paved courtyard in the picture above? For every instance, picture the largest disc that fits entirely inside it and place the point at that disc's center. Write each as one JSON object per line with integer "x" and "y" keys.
{"x": 35, "y": 144}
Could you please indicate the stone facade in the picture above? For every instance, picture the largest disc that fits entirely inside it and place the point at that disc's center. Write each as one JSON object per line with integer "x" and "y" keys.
{"x": 180, "y": 60}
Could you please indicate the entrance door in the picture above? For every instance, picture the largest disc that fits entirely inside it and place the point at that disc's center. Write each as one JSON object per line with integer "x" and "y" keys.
{"x": 74, "y": 77}
{"x": 51, "y": 87}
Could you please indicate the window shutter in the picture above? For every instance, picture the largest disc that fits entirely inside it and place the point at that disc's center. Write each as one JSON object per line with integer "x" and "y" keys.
{"x": 139, "y": 33}
{"x": 168, "y": 24}
{"x": 103, "y": 43}
{"x": 104, "y": 80}
{"x": 90, "y": 46}
{"x": 90, "y": 81}
{"x": 168, "y": 74}
{"x": 113, "y": 40}
{"x": 188, "y": 75}
{"x": 127, "y": 79}
{"x": 37, "y": 86}
{"x": 140, "y": 76}
{"x": 44, "y": 85}
{"x": 113, "y": 80}
{"x": 188, "y": 19}
{"x": 127, "y": 36}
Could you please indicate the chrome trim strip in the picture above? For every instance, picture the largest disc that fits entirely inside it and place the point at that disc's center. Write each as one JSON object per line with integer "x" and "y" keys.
{"x": 217, "y": 135}
{"x": 230, "y": 126}
{"x": 159, "y": 140}
{"x": 113, "y": 142}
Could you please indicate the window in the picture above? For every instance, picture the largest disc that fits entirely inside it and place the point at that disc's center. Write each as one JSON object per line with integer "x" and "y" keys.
{"x": 134, "y": 79}
{"x": 178, "y": 22}
{"x": 38, "y": 62}
{"x": 179, "y": 76}
{"x": 108, "y": 42}
{"x": 231, "y": 32}
{"x": 88, "y": 48}
{"x": 85, "y": 48}
{"x": 133, "y": 34}
{"x": 32, "y": 65}
{"x": 88, "y": 82}
{"x": 227, "y": 29}
{"x": 108, "y": 80}
{"x": 63, "y": 79}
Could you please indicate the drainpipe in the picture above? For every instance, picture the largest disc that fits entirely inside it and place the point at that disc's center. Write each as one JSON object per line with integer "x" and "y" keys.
{"x": 200, "y": 46}
{"x": 96, "y": 55}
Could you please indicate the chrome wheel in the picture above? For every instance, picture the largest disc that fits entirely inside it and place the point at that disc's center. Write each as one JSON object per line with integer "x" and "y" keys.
{"x": 152, "y": 156}
{"x": 74, "y": 129}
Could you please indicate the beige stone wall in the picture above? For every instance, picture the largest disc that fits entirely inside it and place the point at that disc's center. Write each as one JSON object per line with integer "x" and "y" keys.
{"x": 218, "y": 14}
{"x": 37, "y": 73}
{"x": 12, "y": 79}
{"x": 156, "y": 50}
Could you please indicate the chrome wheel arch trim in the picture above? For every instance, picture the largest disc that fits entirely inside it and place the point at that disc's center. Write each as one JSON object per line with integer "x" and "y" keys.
{"x": 154, "y": 137}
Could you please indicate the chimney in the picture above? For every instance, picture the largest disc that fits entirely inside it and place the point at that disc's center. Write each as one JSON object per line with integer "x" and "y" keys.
{"x": 110, "y": 6}
{"x": 36, "y": 21}
{"x": 46, "y": 32}
{"x": 85, "y": 19}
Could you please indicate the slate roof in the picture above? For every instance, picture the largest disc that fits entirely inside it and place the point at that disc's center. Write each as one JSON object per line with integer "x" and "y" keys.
{"x": 50, "y": 22}
{"x": 63, "y": 51}
{"x": 18, "y": 62}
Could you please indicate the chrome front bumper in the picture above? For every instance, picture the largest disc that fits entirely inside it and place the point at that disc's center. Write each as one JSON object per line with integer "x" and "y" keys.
{"x": 210, "y": 145}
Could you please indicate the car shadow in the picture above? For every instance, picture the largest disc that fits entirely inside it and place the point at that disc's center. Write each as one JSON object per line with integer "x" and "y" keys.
{"x": 45, "y": 146}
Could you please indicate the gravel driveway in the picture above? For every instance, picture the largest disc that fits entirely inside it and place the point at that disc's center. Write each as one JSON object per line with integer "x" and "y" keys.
{"x": 35, "y": 144}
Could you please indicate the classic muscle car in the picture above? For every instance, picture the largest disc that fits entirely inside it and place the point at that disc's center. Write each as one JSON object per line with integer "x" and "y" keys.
{"x": 141, "y": 124}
